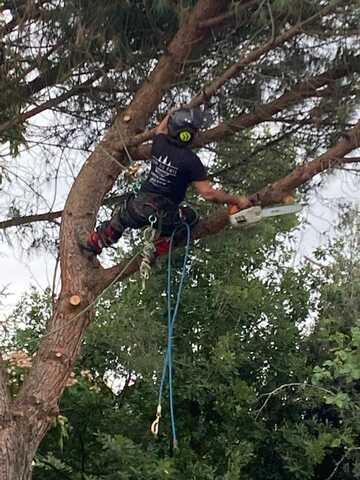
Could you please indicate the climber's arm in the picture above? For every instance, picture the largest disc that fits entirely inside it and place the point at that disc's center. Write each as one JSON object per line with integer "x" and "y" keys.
{"x": 209, "y": 193}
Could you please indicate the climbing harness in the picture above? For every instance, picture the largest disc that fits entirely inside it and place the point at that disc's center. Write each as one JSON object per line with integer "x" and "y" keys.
{"x": 149, "y": 237}
{"x": 152, "y": 246}
{"x": 256, "y": 214}
{"x": 172, "y": 313}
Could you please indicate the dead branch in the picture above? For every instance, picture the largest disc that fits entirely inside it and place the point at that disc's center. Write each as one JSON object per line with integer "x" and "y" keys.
{"x": 338, "y": 464}
{"x": 290, "y": 385}
{"x": 41, "y": 217}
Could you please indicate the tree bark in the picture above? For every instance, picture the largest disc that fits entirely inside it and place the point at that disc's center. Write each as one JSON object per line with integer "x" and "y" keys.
{"x": 16, "y": 456}
{"x": 25, "y": 420}
{"x": 37, "y": 401}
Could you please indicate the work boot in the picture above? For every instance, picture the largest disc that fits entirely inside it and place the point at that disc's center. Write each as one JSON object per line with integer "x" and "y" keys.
{"x": 161, "y": 246}
{"x": 94, "y": 242}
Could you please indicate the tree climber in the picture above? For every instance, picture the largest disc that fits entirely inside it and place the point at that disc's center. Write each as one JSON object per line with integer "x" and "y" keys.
{"x": 174, "y": 166}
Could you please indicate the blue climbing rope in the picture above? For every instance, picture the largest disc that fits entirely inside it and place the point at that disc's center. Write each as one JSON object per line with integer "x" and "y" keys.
{"x": 172, "y": 313}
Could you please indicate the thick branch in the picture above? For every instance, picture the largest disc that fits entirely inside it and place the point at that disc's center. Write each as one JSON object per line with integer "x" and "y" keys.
{"x": 44, "y": 217}
{"x": 41, "y": 217}
{"x": 58, "y": 351}
{"x": 265, "y": 112}
{"x": 274, "y": 193}
{"x": 238, "y": 67}
{"x": 304, "y": 173}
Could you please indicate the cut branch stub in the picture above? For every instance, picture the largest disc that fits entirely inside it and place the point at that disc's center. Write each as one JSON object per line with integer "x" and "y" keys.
{"x": 97, "y": 176}
{"x": 75, "y": 300}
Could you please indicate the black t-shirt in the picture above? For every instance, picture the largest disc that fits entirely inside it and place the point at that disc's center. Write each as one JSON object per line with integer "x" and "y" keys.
{"x": 173, "y": 168}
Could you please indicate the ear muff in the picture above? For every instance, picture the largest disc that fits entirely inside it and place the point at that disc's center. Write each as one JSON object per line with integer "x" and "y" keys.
{"x": 185, "y": 136}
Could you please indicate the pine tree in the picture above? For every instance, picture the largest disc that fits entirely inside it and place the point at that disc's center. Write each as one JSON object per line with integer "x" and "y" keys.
{"x": 111, "y": 69}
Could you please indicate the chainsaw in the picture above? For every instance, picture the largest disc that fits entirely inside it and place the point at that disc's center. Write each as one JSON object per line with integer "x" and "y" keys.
{"x": 242, "y": 218}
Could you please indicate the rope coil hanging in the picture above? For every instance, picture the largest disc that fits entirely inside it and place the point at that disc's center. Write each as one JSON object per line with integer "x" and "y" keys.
{"x": 172, "y": 313}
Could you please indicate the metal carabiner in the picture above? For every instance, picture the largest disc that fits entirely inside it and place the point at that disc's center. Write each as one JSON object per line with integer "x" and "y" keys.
{"x": 155, "y": 425}
{"x": 152, "y": 220}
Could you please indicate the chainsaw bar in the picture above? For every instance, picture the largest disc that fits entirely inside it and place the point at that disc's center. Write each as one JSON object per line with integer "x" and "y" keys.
{"x": 256, "y": 214}
{"x": 281, "y": 210}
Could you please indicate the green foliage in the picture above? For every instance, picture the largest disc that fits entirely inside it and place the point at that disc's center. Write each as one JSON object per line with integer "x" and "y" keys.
{"x": 237, "y": 339}
{"x": 52, "y": 47}
{"x": 245, "y": 406}
{"x": 28, "y": 320}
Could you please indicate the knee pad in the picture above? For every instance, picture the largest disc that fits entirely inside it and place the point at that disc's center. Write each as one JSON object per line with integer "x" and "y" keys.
{"x": 122, "y": 216}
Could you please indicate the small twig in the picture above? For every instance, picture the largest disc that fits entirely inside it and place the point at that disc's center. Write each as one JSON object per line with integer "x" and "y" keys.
{"x": 49, "y": 104}
{"x": 333, "y": 473}
{"x": 351, "y": 160}
{"x": 314, "y": 262}
{"x": 124, "y": 144}
{"x": 260, "y": 7}
{"x": 287, "y": 385}
{"x": 220, "y": 19}
{"x": 351, "y": 170}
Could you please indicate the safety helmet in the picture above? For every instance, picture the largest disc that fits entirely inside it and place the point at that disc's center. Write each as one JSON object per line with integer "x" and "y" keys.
{"x": 183, "y": 124}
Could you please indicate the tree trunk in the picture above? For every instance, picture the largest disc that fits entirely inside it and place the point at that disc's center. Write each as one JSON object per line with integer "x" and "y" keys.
{"x": 24, "y": 421}
{"x": 17, "y": 450}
